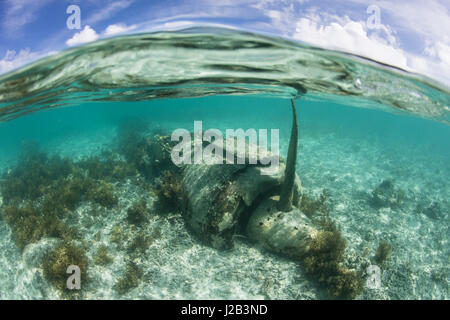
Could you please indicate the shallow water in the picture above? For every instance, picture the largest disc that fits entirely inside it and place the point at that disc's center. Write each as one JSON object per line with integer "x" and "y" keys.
{"x": 356, "y": 130}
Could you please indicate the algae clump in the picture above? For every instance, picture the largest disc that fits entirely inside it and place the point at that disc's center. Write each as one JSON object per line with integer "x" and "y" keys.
{"x": 324, "y": 261}
{"x": 310, "y": 206}
{"x": 387, "y": 195}
{"x": 137, "y": 213}
{"x": 29, "y": 225}
{"x": 383, "y": 251}
{"x": 131, "y": 278}
{"x": 169, "y": 192}
{"x": 102, "y": 257}
{"x": 103, "y": 194}
{"x": 58, "y": 260}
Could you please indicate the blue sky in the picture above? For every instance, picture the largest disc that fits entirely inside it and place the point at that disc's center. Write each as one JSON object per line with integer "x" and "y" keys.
{"x": 411, "y": 34}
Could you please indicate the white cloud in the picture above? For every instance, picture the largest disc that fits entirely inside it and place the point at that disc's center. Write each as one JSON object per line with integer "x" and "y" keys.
{"x": 108, "y": 11}
{"x": 343, "y": 34}
{"x": 429, "y": 19}
{"x": 442, "y": 51}
{"x": 352, "y": 37}
{"x": 435, "y": 63}
{"x": 405, "y": 25}
{"x": 118, "y": 28}
{"x": 427, "y": 23}
{"x": 86, "y": 35}
{"x": 13, "y": 60}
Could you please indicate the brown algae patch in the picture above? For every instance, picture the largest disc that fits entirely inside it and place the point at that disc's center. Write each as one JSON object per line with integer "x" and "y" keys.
{"x": 42, "y": 197}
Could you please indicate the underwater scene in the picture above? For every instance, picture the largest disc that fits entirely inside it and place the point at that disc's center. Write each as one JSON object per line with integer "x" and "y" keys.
{"x": 116, "y": 165}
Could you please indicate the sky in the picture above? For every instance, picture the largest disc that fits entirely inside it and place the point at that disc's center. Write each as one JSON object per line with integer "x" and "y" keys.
{"x": 411, "y": 34}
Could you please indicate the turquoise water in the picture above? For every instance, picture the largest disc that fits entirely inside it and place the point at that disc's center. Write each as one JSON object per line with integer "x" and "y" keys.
{"x": 348, "y": 145}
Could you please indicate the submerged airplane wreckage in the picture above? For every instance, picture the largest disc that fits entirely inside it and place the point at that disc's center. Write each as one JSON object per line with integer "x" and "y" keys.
{"x": 218, "y": 203}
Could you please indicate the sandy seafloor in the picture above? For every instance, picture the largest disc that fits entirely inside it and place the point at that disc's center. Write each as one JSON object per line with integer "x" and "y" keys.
{"x": 345, "y": 155}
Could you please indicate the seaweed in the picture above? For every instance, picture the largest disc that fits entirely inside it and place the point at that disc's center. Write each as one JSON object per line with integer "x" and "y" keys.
{"x": 346, "y": 284}
{"x": 41, "y": 192}
{"x": 387, "y": 195}
{"x": 117, "y": 235}
{"x": 169, "y": 193}
{"x": 137, "y": 213}
{"x": 131, "y": 278}
{"x": 29, "y": 225}
{"x": 66, "y": 193}
{"x": 102, "y": 258}
{"x": 107, "y": 168}
{"x": 383, "y": 251}
{"x": 103, "y": 194}
{"x": 324, "y": 261}
{"x": 58, "y": 260}
{"x": 148, "y": 155}
{"x": 133, "y": 146}
{"x": 140, "y": 243}
{"x": 311, "y": 207}
{"x": 32, "y": 176}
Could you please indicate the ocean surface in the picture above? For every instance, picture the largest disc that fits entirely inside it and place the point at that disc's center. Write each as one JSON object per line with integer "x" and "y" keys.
{"x": 374, "y": 139}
